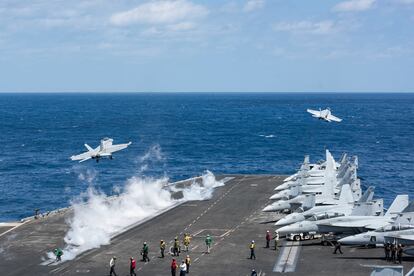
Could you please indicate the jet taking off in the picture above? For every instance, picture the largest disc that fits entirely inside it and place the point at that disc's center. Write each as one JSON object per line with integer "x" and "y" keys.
{"x": 105, "y": 149}
{"x": 324, "y": 115}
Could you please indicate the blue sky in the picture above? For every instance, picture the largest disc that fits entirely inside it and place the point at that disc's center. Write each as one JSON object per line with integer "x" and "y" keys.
{"x": 210, "y": 46}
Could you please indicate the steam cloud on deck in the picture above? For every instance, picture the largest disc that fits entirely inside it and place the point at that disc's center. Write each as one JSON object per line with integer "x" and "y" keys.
{"x": 97, "y": 217}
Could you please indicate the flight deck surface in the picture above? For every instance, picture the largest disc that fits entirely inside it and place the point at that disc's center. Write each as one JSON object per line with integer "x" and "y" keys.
{"x": 232, "y": 216}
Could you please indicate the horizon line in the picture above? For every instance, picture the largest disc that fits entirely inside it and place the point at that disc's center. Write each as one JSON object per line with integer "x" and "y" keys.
{"x": 206, "y": 92}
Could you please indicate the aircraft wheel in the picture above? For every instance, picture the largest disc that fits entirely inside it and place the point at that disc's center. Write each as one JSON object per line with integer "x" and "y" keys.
{"x": 296, "y": 238}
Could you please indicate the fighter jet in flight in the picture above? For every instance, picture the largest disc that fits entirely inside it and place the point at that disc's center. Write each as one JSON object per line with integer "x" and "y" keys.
{"x": 324, "y": 115}
{"x": 105, "y": 149}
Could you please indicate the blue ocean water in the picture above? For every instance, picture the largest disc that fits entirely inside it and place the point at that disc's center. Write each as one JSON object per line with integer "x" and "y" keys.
{"x": 256, "y": 133}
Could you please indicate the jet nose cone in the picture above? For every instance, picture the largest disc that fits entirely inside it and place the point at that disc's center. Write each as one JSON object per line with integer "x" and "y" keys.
{"x": 275, "y": 196}
{"x": 347, "y": 240}
{"x": 279, "y": 188}
{"x": 281, "y": 222}
{"x": 268, "y": 208}
{"x": 284, "y": 230}
{"x": 354, "y": 240}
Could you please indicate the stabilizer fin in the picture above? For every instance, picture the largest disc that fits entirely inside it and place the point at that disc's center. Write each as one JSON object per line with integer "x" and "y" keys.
{"x": 89, "y": 147}
{"x": 398, "y": 205}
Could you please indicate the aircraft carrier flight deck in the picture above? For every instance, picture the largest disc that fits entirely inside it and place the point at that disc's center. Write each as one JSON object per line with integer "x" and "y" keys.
{"x": 233, "y": 217}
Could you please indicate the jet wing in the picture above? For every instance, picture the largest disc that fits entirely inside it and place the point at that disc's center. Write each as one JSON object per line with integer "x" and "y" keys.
{"x": 404, "y": 239}
{"x": 114, "y": 148}
{"x": 313, "y": 112}
{"x": 372, "y": 225}
{"x": 83, "y": 156}
{"x": 333, "y": 118}
{"x": 85, "y": 159}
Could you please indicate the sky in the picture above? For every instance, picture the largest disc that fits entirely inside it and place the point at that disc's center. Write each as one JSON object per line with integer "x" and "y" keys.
{"x": 206, "y": 46}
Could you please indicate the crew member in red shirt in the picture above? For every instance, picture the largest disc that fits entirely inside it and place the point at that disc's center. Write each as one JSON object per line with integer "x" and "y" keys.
{"x": 132, "y": 267}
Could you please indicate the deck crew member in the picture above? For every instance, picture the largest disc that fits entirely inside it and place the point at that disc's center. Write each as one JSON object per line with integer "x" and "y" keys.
{"x": 176, "y": 247}
{"x": 393, "y": 252}
{"x": 208, "y": 241}
{"x": 186, "y": 241}
{"x": 399, "y": 253}
{"x": 144, "y": 252}
{"x": 112, "y": 266}
{"x": 268, "y": 238}
{"x": 338, "y": 248}
{"x": 252, "y": 247}
{"x": 58, "y": 253}
{"x": 132, "y": 266}
{"x": 387, "y": 249}
{"x": 162, "y": 248}
{"x": 173, "y": 267}
{"x": 276, "y": 239}
{"x": 183, "y": 268}
{"x": 188, "y": 262}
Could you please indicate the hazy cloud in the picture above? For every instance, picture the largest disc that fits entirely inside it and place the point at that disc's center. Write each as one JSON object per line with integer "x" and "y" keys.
{"x": 354, "y": 5}
{"x": 253, "y": 5}
{"x": 309, "y": 27}
{"x": 406, "y": 1}
{"x": 160, "y": 12}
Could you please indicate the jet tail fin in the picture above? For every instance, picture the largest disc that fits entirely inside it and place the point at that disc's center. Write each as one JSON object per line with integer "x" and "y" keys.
{"x": 370, "y": 208}
{"x": 295, "y": 190}
{"x": 346, "y": 195}
{"x": 398, "y": 205}
{"x": 309, "y": 202}
{"x": 344, "y": 158}
{"x": 368, "y": 195}
{"x": 409, "y": 208}
{"x": 329, "y": 177}
{"x": 305, "y": 165}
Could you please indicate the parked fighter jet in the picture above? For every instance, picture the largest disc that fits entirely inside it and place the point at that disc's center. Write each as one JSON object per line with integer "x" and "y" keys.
{"x": 304, "y": 202}
{"x": 348, "y": 224}
{"x": 380, "y": 235}
{"x": 342, "y": 207}
{"x": 326, "y": 186}
{"x": 105, "y": 149}
{"x": 324, "y": 198}
{"x": 401, "y": 231}
{"x": 324, "y": 115}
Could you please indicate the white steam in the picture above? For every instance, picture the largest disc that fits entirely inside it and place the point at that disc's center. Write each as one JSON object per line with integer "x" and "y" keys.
{"x": 98, "y": 217}
{"x": 204, "y": 191}
{"x": 88, "y": 176}
{"x": 153, "y": 155}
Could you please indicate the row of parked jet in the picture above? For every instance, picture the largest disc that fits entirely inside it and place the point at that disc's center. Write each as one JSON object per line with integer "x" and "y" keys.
{"x": 326, "y": 197}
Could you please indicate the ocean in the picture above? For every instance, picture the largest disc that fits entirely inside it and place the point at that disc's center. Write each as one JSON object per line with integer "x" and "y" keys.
{"x": 181, "y": 135}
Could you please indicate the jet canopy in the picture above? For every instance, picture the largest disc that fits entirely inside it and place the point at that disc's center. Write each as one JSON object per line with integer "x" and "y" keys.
{"x": 325, "y": 216}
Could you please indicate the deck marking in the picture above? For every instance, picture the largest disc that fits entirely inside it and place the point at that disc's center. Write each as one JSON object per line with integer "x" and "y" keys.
{"x": 288, "y": 257}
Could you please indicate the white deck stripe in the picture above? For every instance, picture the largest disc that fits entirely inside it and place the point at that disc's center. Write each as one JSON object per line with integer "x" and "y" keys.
{"x": 288, "y": 257}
